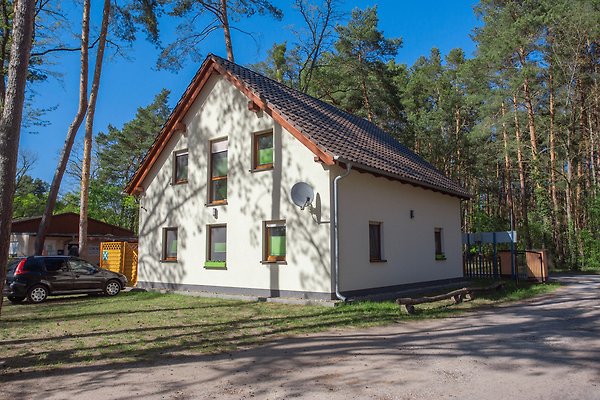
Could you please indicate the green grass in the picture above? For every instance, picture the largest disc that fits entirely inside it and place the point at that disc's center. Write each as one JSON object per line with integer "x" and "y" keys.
{"x": 133, "y": 327}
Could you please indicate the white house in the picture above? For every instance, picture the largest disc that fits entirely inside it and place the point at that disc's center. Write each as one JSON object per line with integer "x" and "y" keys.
{"x": 215, "y": 207}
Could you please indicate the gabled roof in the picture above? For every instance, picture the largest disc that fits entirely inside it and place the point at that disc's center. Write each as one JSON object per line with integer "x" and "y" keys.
{"x": 333, "y": 135}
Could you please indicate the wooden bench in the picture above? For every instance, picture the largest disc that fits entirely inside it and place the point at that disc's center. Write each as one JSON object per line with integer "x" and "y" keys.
{"x": 457, "y": 295}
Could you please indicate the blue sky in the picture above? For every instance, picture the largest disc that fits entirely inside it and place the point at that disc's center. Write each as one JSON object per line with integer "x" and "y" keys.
{"x": 133, "y": 82}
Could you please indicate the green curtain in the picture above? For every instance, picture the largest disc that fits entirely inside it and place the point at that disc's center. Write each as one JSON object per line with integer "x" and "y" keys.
{"x": 277, "y": 246}
{"x": 220, "y": 247}
{"x": 265, "y": 156}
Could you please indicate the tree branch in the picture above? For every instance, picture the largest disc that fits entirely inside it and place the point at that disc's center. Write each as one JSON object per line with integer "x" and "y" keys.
{"x": 57, "y": 49}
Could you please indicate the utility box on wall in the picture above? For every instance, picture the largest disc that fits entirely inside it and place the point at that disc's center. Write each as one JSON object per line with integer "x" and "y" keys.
{"x": 121, "y": 257}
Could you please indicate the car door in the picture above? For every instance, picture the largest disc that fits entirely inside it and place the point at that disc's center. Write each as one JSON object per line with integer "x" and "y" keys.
{"x": 86, "y": 277}
{"x": 58, "y": 275}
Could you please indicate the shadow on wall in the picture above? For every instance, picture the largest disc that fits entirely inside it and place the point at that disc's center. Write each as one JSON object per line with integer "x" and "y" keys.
{"x": 181, "y": 202}
{"x": 168, "y": 210}
{"x": 273, "y": 188}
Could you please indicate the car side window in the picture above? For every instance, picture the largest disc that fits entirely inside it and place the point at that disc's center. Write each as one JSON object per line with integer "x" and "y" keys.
{"x": 55, "y": 264}
{"x": 81, "y": 267}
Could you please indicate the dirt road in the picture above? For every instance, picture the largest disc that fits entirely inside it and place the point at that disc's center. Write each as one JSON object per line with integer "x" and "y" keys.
{"x": 544, "y": 349}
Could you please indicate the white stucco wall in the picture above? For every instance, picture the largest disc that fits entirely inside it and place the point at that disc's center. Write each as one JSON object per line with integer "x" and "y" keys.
{"x": 408, "y": 244}
{"x": 253, "y": 197}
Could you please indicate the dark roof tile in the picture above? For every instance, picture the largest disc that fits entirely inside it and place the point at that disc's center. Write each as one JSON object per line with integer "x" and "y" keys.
{"x": 345, "y": 136}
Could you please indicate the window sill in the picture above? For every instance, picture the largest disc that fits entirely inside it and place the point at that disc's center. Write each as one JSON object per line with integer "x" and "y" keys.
{"x": 169, "y": 260}
{"x": 179, "y": 183}
{"x": 260, "y": 169}
{"x": 378, "y": 261}
{"x": 215, "y": 265}
{"x": 282, "y": 262}
{"x": 218, "y": 203}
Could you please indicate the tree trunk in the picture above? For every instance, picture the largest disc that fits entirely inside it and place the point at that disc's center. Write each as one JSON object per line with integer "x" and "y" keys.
{"x": 71, "y": 133}
{"x": 592, "y": 150}
{"x": 365, "y": 95}
{"x": 317, "y": 38}
{"x": 10, "y": 121}
{"x": 596, "y": 112}
{"x": 569, "y": 196}
{"x": 556, "y": 222}
{"x": 507, "y": 164}
{"x": 5, "y": 24}
{"x": 457, "y": 129}
{"x": 530, "y": 116}
{"x": 226, "y": 30}
{"x": 89, "y": 127}
{"x": 520, "y": 164}
{"x": 581, "y": 153}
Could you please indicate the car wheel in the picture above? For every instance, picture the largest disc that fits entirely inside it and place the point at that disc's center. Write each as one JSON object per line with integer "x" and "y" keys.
{"x": 37, "y": 294}
{"x": 15, "y": 299}
{"x": 112, "y": 288}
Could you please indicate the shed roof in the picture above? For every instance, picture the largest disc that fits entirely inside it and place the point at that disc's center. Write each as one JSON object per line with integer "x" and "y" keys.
{"x": 68, "y": 224}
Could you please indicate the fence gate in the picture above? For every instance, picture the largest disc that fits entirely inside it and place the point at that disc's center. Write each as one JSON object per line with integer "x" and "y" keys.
{"x": 120, "y": 257}
{"x": 480, "y": 256}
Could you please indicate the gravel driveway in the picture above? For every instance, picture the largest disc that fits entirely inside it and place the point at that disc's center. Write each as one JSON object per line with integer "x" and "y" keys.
{"x": 548, "y": 348}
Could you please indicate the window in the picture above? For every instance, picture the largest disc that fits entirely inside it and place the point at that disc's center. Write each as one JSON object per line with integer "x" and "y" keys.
{"x": 169, "y": 252}
{"x": 180, "y": 174}
{"x": 375, "y": 248}
{"x": 262, "y": 149}
{"x": 217, "y": 247}
{"x": 274, "y": 245}
{"x": 218, "y": 171}
{"x": 81, "y": 267}
{"x": 55, "y": 264}
{"x": 439, "y": 249}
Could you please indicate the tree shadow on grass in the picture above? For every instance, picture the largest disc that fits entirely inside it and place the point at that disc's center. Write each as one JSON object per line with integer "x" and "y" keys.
{"x": 561, "y": 330}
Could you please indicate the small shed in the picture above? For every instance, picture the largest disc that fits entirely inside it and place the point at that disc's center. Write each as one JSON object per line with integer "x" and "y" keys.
{"x": 63, "y": 236}
{"x": 121, "y": 257}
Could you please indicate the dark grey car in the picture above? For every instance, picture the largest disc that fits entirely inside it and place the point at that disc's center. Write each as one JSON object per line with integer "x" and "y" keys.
{"x": 37, "y": 277}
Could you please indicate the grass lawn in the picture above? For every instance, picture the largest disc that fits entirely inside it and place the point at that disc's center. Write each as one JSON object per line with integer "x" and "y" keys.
{"x": 67, "y": 332}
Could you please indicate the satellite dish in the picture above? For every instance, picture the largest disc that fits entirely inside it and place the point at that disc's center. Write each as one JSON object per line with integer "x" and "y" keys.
{"x": 302, "y": 194}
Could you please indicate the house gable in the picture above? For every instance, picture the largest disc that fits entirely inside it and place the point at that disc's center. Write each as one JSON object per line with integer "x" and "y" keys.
{"x": 176, "y": 125}
{"x": 254, "y": 197}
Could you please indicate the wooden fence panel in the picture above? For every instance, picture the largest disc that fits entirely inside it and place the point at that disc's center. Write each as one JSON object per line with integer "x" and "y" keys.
{"x": 120, "y": 257}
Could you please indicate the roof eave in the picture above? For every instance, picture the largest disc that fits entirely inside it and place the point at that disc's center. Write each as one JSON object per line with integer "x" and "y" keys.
{"x": 378, "y": 172}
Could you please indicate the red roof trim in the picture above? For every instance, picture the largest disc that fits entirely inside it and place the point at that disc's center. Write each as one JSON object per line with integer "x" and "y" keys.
{"x": 174, "y": 122}
{"x": 172, "y": 125}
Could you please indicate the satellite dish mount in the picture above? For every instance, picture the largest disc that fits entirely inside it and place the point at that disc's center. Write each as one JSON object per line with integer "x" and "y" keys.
{"x": 302, "y": 194}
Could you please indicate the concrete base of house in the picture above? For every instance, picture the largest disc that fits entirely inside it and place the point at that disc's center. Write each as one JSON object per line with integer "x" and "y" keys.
{"x": 237, "y": 291}
{"x": 252, "y": 294}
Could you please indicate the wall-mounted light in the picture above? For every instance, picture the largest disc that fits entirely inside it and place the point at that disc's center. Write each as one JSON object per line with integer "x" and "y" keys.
{"x": 215, "y": 213}
{"x": 412, "y": 214}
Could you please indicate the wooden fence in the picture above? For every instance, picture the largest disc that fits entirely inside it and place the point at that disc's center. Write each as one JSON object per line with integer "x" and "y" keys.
{"x": 120, "y": 257}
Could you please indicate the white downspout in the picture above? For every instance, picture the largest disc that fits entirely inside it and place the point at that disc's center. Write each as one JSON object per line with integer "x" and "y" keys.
{"x": 336, "y": 233}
